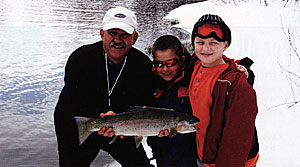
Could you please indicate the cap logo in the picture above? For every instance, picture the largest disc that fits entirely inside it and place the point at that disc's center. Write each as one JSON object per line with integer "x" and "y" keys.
{"x": 120, "y": 15}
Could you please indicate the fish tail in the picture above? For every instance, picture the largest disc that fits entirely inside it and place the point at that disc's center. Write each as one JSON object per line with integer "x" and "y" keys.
{"x": 83, "y": 130}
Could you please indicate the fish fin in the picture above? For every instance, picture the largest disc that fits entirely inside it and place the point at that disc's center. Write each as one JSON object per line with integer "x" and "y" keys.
{"x": 138, "y": 108}
{"x": 138, "y": 140}
{"x": 113, "y": 139}
{"x": 83, "y": 131}
{"x": 172, "y": 132}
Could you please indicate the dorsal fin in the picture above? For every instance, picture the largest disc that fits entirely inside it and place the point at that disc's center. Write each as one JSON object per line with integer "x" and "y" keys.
{"x": 137, "y": 108}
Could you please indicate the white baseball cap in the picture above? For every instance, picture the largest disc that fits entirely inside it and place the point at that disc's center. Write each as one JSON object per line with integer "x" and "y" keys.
{"x": 120, "y": 17}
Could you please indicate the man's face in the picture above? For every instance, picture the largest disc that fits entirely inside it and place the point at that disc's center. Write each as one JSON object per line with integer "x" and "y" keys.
{"x": 117, "y": 43}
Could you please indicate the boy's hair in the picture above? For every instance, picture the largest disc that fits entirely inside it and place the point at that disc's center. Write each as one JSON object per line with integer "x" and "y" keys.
{"x": 168, "y": 42}
{"x": 214, "y": 20}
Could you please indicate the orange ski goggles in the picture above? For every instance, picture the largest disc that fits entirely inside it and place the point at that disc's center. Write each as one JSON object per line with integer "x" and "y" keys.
{"x": 210, "y": 30}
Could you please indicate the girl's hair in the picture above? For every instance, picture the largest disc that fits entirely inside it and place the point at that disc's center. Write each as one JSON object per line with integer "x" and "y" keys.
{"x": 168, "y": 42}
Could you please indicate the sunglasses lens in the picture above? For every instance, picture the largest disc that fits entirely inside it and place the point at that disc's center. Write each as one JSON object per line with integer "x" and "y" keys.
{"x": 171, "y": 63}
{"x": 168, "y": 63}
{"x": 158, "y": 63}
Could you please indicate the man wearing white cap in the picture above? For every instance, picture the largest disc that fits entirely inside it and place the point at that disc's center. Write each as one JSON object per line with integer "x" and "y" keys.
{"x": 106, "y": 76}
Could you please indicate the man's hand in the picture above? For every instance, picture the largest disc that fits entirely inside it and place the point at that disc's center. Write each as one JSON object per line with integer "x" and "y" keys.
{"x": 107, "y": 132}
{"x": 103, "y": 131}
{"x": 109, "y": 113}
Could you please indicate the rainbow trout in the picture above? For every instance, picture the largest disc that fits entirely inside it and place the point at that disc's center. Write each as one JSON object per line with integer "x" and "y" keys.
{"x": 139, "y": 121}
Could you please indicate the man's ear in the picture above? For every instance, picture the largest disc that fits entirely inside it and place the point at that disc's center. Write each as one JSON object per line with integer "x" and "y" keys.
{"x": 135, "y": 37}
{"x": 101, "y": 33}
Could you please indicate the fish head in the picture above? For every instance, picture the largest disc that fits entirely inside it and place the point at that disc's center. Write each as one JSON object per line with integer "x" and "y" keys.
{"x": 185, "y": 126}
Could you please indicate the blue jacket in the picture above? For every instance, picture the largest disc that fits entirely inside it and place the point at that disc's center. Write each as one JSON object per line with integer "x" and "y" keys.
{"x": 181, "y": 149}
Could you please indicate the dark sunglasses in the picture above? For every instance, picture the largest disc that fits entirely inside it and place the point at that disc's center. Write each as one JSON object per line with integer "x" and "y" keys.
{"x": 168, "y": 63}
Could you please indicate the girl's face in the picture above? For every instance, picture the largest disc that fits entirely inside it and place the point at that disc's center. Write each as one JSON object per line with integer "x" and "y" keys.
{"x": 210, "y": 51}
{"x": 167, "y": 64}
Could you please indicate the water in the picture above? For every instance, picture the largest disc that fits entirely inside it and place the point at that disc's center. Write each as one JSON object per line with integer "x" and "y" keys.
{"x": 36, "y": 39}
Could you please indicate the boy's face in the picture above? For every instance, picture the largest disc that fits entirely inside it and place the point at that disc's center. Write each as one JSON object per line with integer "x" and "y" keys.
{"x": 164, "y": 56}
{"x": 210, "y": 51}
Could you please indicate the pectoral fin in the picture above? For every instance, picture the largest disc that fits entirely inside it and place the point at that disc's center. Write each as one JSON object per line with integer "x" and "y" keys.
{"x": 172, "y": 132}
{"x": 113, "y": 139}
{"x": 138, "y": 140}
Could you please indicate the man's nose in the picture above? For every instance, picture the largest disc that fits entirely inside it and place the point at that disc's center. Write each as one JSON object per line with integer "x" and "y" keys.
{"x": 118, "y": 38}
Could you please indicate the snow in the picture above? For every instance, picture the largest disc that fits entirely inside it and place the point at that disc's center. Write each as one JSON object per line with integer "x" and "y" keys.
{"x": 258, "y": 32}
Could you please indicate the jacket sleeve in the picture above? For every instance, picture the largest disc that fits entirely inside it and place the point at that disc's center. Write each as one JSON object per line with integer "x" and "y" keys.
{"x": 251, "y": 77}
{"x": 65, "y": 127}
{"x": 239, "y": 125}
{"x": 67, "y": 107}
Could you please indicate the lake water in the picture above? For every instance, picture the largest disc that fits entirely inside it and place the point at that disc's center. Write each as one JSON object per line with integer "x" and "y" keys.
{"x": 36, "y": 39}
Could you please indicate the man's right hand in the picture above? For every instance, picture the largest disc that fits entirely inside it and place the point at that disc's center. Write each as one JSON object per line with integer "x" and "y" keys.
{"x": 107, "y": 132}
{"x": 103, "y": 131}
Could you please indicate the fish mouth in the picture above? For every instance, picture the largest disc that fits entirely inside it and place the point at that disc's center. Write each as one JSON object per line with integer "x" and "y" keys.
{"x": 194, "y": 125}
{"x": 196, "y": 128}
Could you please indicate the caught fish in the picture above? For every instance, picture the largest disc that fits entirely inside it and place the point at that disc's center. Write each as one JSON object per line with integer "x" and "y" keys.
{"x": 139, "y": 121}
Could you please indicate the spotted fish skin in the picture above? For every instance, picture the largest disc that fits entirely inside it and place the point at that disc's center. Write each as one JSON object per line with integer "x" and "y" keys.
{"x": 139, "y": 121}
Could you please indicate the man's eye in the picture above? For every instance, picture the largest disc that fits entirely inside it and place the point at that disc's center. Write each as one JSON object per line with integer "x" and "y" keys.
{"x": 125, "y": 35}
{"x": 112, "y": 33}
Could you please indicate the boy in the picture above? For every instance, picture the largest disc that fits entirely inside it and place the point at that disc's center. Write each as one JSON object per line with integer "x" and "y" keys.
{"x": 222, "y": 99}
{"x": 170, "y": 62}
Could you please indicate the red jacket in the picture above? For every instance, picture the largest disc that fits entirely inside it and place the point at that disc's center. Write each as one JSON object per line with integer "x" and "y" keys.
{"x": 230, "y": 138}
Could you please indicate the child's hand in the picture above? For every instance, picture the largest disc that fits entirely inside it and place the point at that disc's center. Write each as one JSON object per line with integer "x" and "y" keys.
{"x": 242, "y": 69}
{"x": 163, "y": 133}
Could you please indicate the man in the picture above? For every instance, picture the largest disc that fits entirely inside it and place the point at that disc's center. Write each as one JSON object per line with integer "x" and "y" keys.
{"x": 106, "y": 76}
